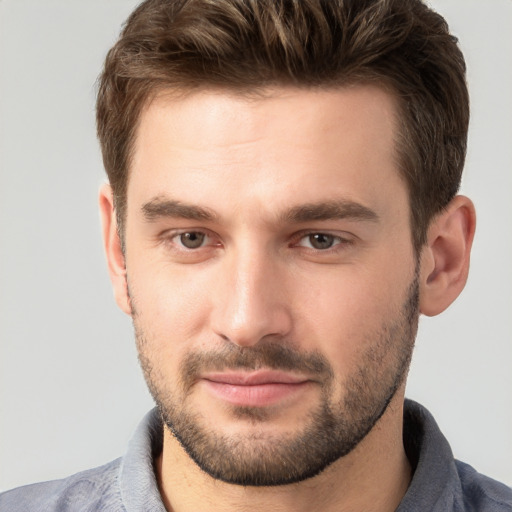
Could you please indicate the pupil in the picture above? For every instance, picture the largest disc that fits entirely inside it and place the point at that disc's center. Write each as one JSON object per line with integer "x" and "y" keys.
{"x": 321, "y": 241}
{"x": 192, "y": 240}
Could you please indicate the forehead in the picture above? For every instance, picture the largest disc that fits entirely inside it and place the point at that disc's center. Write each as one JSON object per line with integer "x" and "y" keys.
{"x": 270, "y": 147}
{"x": 208, "y": 116}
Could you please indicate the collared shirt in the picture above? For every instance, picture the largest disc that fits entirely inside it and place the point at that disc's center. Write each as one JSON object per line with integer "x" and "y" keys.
{"x": 128, "y": 484}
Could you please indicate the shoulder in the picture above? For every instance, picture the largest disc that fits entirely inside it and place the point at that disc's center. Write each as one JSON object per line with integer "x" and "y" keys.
{"x": 481, "y": 492}
{"x": 94, "y": 489}
{"x": 440, "y": 482}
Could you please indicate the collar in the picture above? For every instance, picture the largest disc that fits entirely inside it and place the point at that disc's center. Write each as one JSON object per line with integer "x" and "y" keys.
{"x": 435, "y": 484}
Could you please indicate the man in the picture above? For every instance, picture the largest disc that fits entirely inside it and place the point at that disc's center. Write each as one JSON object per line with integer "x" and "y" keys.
{"x": 282, "y": 205}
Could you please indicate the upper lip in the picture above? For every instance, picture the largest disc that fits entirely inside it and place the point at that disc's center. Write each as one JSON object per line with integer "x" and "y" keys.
{"x": 254, "y": 378}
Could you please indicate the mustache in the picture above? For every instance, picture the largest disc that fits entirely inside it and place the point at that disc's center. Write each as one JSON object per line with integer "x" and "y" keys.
{"x": 272, "y": 355}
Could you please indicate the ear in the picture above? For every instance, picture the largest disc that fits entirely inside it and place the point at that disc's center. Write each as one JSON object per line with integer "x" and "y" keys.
{"x": 113, "y": 249}
{"x": 445, "y": 258}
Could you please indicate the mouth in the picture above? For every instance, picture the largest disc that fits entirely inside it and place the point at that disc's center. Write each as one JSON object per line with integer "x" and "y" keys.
{"x": 255, "y": 388}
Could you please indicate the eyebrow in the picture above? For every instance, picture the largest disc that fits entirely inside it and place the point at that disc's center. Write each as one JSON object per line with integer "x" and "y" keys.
{"x": 330, "y": 210}
{"x": 159, "y": 207}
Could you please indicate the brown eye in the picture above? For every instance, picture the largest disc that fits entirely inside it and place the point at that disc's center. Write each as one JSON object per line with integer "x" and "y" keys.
{"x": 321, "y": 241}
{"x": 192, "y": 239}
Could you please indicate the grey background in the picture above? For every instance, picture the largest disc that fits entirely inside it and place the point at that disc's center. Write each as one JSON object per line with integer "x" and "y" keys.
{"x": 71, "y": 392}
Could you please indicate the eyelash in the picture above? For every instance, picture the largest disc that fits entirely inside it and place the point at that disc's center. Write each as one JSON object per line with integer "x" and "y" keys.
{"x": 189, "y": 232}
{"x": 339, "y": 242}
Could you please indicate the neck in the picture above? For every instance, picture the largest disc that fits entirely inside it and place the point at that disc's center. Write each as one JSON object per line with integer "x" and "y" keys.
{"x": 373, "y": 477}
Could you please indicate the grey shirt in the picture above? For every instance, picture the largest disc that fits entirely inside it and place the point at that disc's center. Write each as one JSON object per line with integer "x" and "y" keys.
{"x": 128, "y": 484}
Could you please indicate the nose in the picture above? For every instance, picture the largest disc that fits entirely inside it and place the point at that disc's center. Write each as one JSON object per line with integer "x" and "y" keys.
{"x": 251, "y": 304}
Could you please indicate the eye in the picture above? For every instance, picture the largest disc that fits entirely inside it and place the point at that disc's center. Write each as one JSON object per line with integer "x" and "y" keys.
{"x": 189, "y": 246}
{"x": 192, "y": 239}
{"x": 320, "y": 241}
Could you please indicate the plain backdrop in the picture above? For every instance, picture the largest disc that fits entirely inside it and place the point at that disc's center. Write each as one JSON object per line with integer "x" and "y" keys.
{"x": 71, "y": 392}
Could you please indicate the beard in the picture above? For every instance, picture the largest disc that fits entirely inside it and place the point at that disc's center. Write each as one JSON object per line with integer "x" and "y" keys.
{"x": 333, "y": 427}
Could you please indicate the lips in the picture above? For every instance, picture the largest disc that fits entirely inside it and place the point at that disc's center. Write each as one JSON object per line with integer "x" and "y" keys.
{"x": 254, "y": 389}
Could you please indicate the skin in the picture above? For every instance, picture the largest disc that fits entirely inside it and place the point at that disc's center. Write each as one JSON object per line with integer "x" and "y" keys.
{"x": 250, "y": 162}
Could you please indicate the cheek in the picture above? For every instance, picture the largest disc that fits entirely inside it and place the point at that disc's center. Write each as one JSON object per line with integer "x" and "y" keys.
{"x": 170, "y": 307}
{"x": 344, "y": 315}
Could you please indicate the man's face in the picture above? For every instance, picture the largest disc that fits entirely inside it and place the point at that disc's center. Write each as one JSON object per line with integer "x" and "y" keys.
{"x": 271, "y": 274}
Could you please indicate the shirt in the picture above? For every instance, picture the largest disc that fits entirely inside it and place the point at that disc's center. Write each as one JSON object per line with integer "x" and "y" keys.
{"x": 128, "y": 484}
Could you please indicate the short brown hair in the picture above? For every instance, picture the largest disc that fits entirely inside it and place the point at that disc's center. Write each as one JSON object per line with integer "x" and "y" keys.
{"x": 246, "y": 45}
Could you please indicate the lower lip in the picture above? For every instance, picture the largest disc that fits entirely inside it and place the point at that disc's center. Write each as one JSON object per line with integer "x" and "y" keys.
{"x": 257, "y": 395}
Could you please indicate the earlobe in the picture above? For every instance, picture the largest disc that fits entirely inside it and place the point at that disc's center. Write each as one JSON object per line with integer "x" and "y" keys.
{"x": 113, "y": 249}
{"x": 445, "y": 257}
